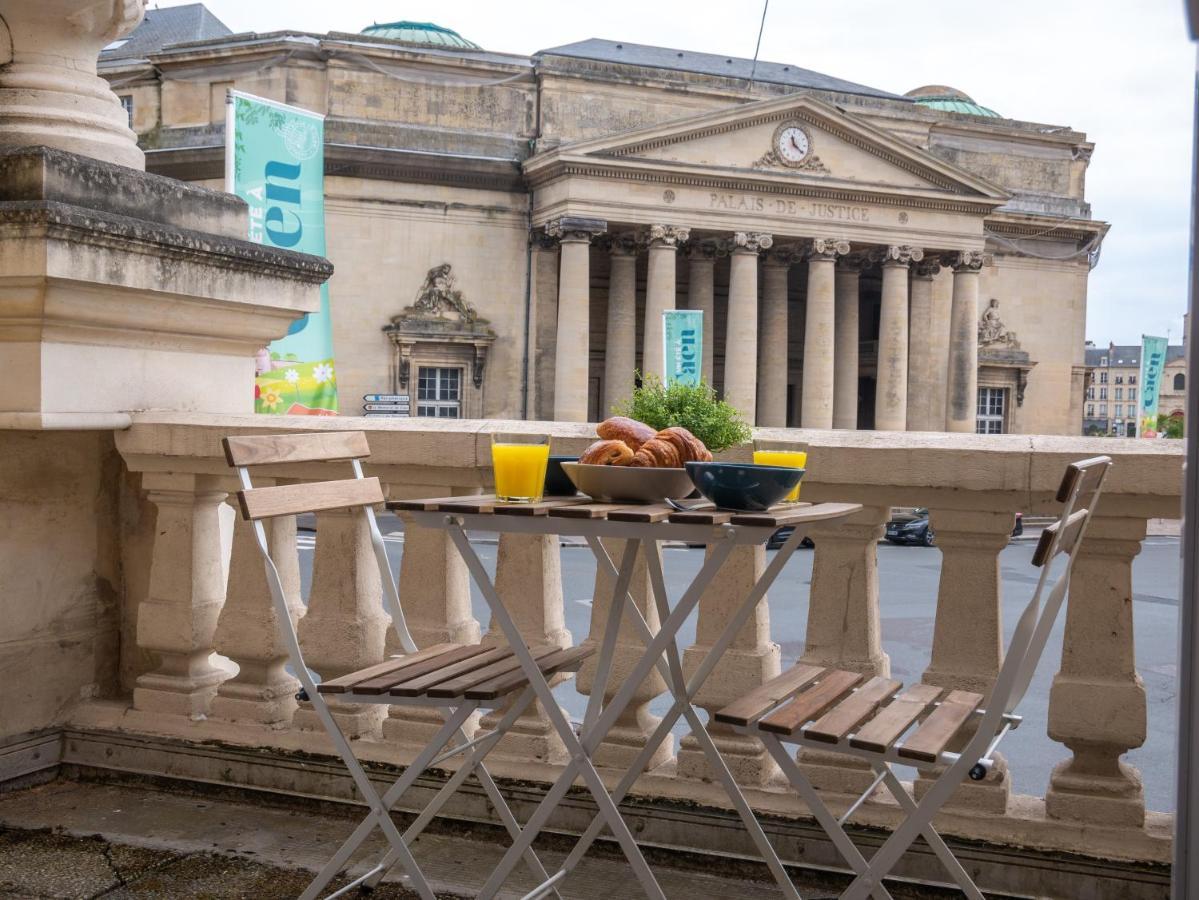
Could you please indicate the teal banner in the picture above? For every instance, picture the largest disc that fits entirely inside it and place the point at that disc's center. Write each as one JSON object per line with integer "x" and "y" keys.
{"x": 682, "y": 358}
{"x": 1153, "y": 365}
{"x": 275, "y": 161}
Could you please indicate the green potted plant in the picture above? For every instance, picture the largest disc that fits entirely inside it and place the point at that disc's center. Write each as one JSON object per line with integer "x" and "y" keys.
{"x": 694, "y": 407}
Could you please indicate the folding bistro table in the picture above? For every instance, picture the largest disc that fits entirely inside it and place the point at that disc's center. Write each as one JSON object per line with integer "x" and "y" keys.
{"x": 641, "y": 527}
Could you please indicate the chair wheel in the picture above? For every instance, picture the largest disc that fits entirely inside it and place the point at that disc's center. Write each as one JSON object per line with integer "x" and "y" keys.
{"x": 978, "y": 772}
{"x": 302, "y": 695}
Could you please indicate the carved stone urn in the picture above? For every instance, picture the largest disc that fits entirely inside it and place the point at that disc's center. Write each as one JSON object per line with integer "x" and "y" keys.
{"x": 50, "y": 93}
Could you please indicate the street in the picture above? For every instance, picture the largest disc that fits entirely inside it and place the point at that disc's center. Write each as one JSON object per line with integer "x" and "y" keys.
{"x": 908, "y": 588}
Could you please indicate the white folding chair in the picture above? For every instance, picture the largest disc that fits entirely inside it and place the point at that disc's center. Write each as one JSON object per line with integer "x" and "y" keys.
{"x": 846, "y": 712}
{"x": 457, "y": 678}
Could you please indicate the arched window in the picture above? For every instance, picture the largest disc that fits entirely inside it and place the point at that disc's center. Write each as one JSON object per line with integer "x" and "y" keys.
{"x": 1180, "y": 382}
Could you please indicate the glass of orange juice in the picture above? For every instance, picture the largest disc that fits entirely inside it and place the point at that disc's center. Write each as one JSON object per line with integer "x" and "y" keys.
{"x": 519, "y": 461}
{"x": 779, "y": 453}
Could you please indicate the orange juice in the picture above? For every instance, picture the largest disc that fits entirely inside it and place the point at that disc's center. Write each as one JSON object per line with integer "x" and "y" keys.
{"x": 787, "y": 459}
{"x": 519, "y": 470}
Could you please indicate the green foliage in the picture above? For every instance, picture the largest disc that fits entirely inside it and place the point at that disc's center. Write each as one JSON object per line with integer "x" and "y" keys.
{"x": 695, "y": 408}
{"x": 1170, "y": 426}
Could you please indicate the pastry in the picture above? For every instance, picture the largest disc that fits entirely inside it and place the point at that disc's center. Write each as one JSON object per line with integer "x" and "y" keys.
{"x": 622, "y": 428}
{"x": 607, "y": 453}
{"x": 690, "y": 448}
{"x": 659, "y": 453}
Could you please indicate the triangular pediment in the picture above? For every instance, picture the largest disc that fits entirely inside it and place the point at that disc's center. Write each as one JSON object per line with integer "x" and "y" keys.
{"x": 795, "y": 136}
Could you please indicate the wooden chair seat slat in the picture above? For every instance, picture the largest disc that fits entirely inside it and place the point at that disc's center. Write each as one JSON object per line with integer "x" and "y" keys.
{"x": 272, "y": 449}
{"x": 815, "y": 701}
{"x": 852, "y": 711}
{"x": 557, "y": 661}
{"x": 934, "y": 733}
{"x": 394, "y": 664}
{"x": 750, "y": 707}
{"x": 419, "y": 682}
{"x": 383, "y": 683}
{"x": 895, "y": 718}
{"x": 457, "y": 687}
{"x": 313, "y": 496}
{"x": 1070, "y": 531}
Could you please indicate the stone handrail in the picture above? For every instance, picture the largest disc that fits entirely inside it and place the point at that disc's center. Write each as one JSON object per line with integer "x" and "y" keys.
{"x": 206, "y": 593}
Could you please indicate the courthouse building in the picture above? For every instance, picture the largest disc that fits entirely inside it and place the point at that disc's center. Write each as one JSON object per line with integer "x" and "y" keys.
{"x": 507, "y": 229}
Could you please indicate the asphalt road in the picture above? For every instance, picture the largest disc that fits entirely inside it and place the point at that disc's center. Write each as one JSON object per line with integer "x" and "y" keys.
{"x": 908, "y": 578}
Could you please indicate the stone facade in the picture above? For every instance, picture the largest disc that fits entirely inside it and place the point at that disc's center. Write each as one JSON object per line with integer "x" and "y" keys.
{"x": 482, "y": 161}
{"x": 1113, "y": 389}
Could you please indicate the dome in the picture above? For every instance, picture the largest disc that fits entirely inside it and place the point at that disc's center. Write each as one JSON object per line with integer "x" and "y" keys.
{"x": 421, "y": 34}
{"x": 947, "y": 99}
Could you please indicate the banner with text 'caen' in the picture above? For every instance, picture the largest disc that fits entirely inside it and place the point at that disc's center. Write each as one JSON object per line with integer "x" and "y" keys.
{"x": 1153, "y": 365}
{"x": 275, "y": 161}
{"x": 682, "y": 357}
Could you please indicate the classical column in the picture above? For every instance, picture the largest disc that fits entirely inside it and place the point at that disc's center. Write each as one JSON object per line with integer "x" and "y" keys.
{"x": 663, "y": 242}
{"x": 819, "y": 334}
{"x": 741, "y": 334}
{"x": 572, "y": 352}
{"x": 846, "y": 336}
{"x": 49, "y": 91}
{"x": 891, "y": 387}
{"x": 1097, "y": 702}
{"x": 543, "y": 318}
{"x": 961, "y": 402}
{"x": 772, "y": 338}
{"x": 701, "y": 256}
{"x": 921, "y": 375}
{"x": 620, "y": 354}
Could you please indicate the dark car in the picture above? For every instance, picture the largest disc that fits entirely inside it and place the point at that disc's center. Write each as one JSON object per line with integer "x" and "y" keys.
{"x": 780, "y": 537}
{"x": 911, "y": 527}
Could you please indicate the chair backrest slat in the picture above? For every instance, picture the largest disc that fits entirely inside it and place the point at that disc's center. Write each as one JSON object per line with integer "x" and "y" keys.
{"x": 1083, "y": 476}
{"x": 319, "y": 446}
{"x": 1070, "y": 529}
{"x": 290, "y": 499}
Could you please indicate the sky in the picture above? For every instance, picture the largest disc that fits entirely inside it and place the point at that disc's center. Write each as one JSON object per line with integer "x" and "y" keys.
{"x": 1122, "y": 72}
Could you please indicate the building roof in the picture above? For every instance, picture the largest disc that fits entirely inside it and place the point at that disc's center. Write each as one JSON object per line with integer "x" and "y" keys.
{"x": 947, "y": 99}
{"x": 163, "y": 27}
{"x": 645, "y": 55}
{"x": 1127, "y": 355}
{"x": 422, "y": 34}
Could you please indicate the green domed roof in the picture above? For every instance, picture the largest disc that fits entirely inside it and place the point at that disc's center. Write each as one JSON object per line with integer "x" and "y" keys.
{"x": 421, "y": 34}
{"x": 947, "y": 99}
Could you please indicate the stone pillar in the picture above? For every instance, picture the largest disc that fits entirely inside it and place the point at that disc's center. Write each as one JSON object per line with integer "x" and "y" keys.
{"x": 620, "y": 354}
{"x": 846, "y": 337}
{"x": 961, "y": 402}
{"x": 345, "y": 627}
{"x": 543, "y": 320}
{"x": 660, "y": 290}
{"x": 921, "y": 374}
{"x": 741, "y": 333}
{"x": 178, "y": 619}
{"x": 626, "y": 738}
{"x": 50, "y": 94}
{"x": 891, "y": 391}
{"x": 700, "y": 295}
{"x": 773, "y": 367}
{"x": 572, "y": 350}
{"x": 249, "y": 630}
{"x": 819, "y": 334}
{"x": 968, "y": 635}
{"x": 751, "y": 660}
{"x": 1097, "y": 703}
{"x": 528, "y": 576}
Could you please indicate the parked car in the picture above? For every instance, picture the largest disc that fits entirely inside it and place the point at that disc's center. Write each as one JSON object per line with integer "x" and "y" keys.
{"x": 910, "y": 527}
{"x": 780, "y": 537}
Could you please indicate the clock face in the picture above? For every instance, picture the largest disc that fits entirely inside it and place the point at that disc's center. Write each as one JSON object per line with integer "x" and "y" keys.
{"x": 791, "y": 144}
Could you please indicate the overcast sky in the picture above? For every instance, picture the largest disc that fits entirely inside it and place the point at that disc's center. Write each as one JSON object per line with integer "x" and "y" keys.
{"x": 1120, "y": 71}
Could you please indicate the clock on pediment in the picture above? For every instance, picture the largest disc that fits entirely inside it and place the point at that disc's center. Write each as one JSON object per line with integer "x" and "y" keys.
{"x": 791, "y": 147}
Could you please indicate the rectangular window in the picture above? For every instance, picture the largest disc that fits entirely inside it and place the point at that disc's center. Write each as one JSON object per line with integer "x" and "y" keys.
{"x": 1132, "y": 393}
{"x": 1103, "y": 410}
{"x": 1132, "y": 379}
{"x": 1119, "y": 379}
{"x": 1103, "y": 377}
{"x": 1119, "y": 411}
{"x": 1090, "y": 393}
{"x": 1119, "y": 392}
{"x": 1103, "y": 393}
{"x": 1090, "y": 410}
{"x": 991, "y": 403}
{"x": 439, "y": 392}
{"x": 127, "y": 105}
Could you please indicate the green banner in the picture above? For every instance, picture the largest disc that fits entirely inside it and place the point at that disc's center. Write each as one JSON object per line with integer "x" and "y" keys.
{"x": 1153, "y": 366}
{"x": 683, "y": 334}
{"x": 275, "y": 161}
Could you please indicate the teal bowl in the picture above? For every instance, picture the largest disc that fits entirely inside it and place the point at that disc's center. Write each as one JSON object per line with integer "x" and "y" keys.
{"x": 742, "y": 486}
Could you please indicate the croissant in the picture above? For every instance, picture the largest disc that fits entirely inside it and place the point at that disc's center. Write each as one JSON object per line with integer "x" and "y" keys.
{"x": 690, "y": 448}
{"x": 607, "y": 453}
{"x": 622, "y": 428}
{"x": 659, "y": 453}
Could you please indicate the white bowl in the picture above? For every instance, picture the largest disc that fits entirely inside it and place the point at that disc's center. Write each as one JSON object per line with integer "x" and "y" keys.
{"x": 633, "y": 484}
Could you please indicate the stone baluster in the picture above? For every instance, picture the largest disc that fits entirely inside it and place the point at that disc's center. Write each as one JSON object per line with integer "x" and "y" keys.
{"x": 345, "y": 627}
{"x": 846, "y": 336}
{"x": 843, "y": 625}
{"x": 820, "y": 334}
{"x": 741, "y": 333}
{"x": 620, "y": 354}
{"x": 660, "y": 291}
{"x": 751, "y": 660}
{"x": 701, "y": 295}
{"x": 626, "y": 738}
{"x": 572, "y": 356}
{"x": 249, "y": 631}
{"x": 178, "y": 618}
{"x": 961, "y": 401}
{"x": 1097, "y": 703}
{"x": 435, "y": 597}
{"x": 968, "y": 635}
{"x": 528, "y": 577}
{"x": 891, "y": 394}
{"x": 773, "y": 367}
